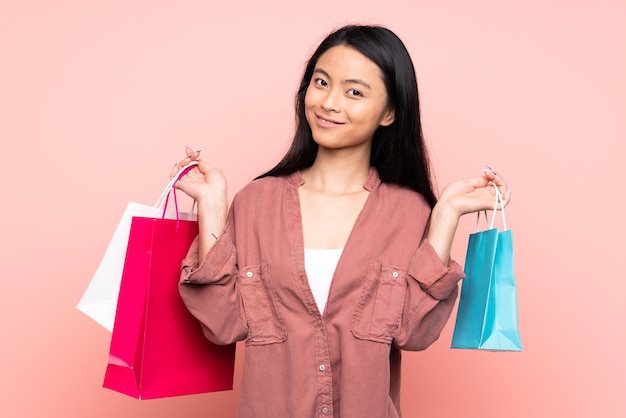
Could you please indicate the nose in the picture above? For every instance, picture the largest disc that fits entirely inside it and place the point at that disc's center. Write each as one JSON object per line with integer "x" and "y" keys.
{"x": 332, "y": 101}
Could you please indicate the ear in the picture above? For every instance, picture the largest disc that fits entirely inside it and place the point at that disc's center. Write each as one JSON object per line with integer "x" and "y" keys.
{"x": 388, "y": 118}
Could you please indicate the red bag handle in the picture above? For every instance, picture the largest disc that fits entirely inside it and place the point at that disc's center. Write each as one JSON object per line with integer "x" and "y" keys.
{"x": 171, "y": 187}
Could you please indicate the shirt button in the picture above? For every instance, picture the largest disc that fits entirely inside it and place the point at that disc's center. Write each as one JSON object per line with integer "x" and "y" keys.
{"x": 319, "y": 322}
{"x": 249, "y": 274}
{"x": 395, "y": 274}
{"x": 322, "y": 367}
{"x": 325, "y": 411}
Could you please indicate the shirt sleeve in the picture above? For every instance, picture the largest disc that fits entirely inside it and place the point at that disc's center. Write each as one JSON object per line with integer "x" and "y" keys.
{"x": 431, "y": 294}
{"x": 210, "y": 292}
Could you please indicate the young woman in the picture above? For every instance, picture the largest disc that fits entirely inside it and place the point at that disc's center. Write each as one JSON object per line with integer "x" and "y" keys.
{"x": 339, "y": 257}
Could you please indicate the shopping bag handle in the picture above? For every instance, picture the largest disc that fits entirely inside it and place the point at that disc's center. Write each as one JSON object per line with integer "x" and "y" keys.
{"x": 165, "y": 193}
{"x": 171, "y": 188}
{"x": 499, "y": 202}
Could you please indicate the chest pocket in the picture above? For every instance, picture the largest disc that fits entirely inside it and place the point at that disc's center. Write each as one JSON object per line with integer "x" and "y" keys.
{"x": 379, "y": 311}
{"x": 265, "y": 323}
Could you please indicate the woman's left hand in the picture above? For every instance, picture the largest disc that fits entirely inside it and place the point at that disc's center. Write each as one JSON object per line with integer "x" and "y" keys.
{"x": 459, "y": 198}
{"x": 475, "y": 194}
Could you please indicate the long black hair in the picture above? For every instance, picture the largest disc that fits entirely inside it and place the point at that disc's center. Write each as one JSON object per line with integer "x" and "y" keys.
{"x": 398, "y": 150}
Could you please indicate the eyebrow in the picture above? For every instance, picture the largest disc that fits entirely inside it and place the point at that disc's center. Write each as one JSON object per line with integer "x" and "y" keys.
{"x": 348, "y": 81}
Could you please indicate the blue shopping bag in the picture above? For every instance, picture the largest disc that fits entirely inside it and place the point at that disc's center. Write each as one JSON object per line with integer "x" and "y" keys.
{"x": 487, "y": 314}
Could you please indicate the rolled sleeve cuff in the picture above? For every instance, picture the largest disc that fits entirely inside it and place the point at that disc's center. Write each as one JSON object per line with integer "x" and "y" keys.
{"x": 436, "y": 278}
{"x": 215, "y": 265}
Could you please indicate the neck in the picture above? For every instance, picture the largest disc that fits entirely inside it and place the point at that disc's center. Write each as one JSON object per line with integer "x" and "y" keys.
{"x": 337, "y": 174}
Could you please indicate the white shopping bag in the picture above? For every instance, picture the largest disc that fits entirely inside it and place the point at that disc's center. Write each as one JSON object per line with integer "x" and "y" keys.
{"x": 99, "y": 301}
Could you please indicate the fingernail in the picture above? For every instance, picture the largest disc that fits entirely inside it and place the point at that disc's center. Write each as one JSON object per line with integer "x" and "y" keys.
{"x": 197, "y": 151}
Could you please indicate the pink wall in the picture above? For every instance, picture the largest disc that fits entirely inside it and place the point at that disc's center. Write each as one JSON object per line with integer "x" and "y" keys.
{"x": 98, "y": 98}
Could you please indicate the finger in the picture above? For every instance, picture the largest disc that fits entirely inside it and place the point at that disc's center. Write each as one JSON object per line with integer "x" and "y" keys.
{"x": 493, "y": 175}
{"x": 190, "y": 157}
{"x": 497, "y": 180}
{"x": 184, "y": 163}
{"x": 204, "y": 167}
{"x": 191, "y": 153}
{"x": 178, "y": 167}
{"x": 501, "y": 185}
{"x": 506, "y": 197}
{"x": 504, "y": 189}
{"x": 478, "y": 182}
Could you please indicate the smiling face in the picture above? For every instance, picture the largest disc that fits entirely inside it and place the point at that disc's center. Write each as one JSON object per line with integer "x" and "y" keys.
{"x": 346, "y": 100}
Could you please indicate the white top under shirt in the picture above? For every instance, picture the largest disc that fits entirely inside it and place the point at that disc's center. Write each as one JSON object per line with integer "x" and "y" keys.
{"x": 320, "y": 266}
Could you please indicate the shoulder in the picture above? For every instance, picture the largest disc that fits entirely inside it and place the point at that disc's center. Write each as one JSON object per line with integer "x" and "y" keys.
{"x": 401, "y": 194}
{"x": 395, "y": 194}
{"x": 263, "y": 185}
{"x": 402, "y": 200}
{"x": 264, "y": 189}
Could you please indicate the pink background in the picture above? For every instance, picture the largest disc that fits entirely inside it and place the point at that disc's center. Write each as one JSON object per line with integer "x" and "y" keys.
{"x": 98, "y": 98}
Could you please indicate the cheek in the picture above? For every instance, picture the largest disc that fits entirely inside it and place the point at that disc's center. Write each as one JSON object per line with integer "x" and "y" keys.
{"x": 375, "y": 114}
{"x": 309, "y": 97}
{"x": 309, "y": 103}
{"x": 364, "y": 112}
{"x": 307, "y": 108}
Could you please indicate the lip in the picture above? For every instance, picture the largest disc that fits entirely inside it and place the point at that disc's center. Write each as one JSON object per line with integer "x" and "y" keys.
{"x": 326, "y": 123}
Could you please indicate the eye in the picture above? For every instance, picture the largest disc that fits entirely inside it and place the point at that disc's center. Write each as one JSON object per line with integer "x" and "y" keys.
{"x": 355, "y": 93}
{"x": 320, "y": 82}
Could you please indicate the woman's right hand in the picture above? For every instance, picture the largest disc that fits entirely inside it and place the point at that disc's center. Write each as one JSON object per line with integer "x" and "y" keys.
{"x": 207, "y": 186}
{"x": 203, "y": 181}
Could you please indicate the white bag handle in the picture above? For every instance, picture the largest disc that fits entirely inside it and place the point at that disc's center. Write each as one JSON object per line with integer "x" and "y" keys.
{"x": 161, "y": 200}
{"x": 498, "y": 202}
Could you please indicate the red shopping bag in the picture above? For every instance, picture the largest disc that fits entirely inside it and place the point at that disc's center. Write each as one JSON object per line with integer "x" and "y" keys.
{"x": 157, "y": 346}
